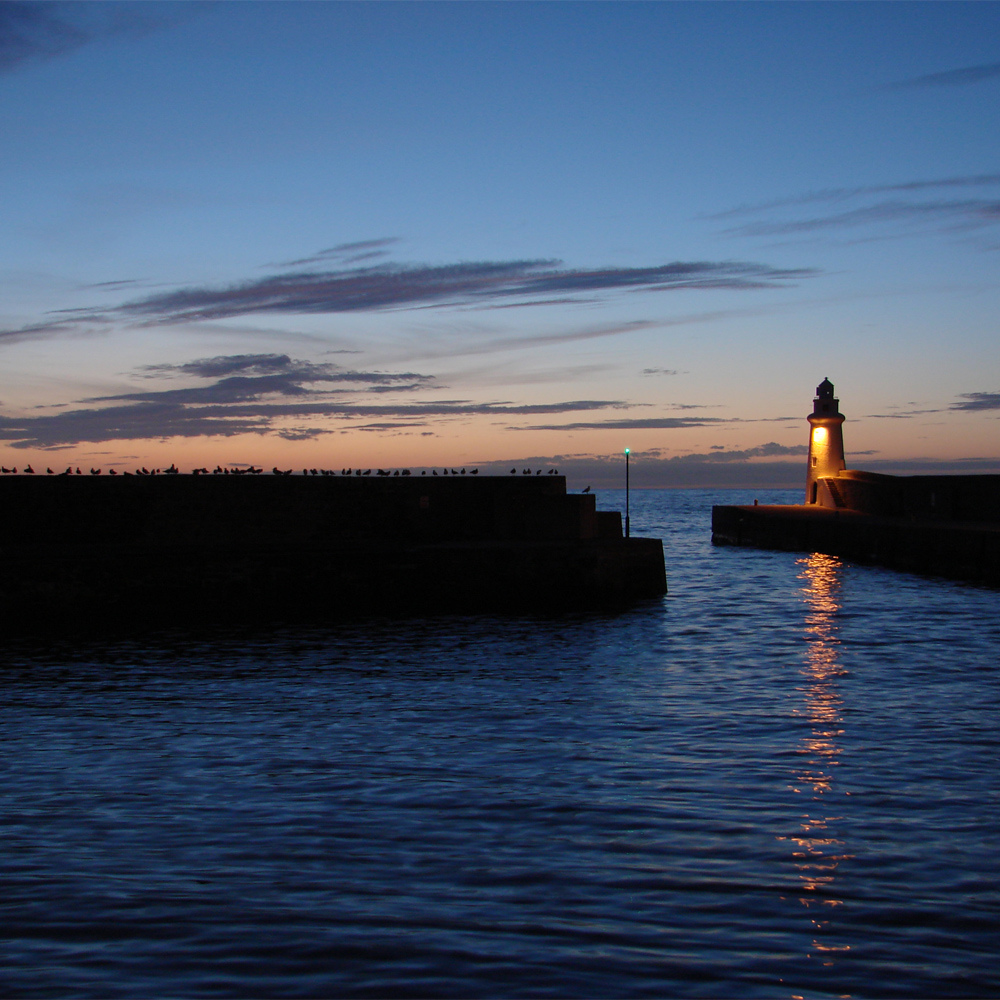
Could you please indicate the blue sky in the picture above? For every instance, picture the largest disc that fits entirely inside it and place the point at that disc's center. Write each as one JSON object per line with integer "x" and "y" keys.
{"x": 464, "y": 234}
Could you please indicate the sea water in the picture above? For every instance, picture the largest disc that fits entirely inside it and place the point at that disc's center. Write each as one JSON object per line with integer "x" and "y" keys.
{"x": 780, "y": 780}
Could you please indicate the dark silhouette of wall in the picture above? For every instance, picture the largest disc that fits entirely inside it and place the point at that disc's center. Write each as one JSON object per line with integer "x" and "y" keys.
{"x": 931, "y": 498}
{"x": 164, "y": 549}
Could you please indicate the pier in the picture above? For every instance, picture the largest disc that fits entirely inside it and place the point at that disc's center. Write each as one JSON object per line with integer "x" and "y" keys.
{"x": 183, "y": 548}
{"x": 959, "y": 550}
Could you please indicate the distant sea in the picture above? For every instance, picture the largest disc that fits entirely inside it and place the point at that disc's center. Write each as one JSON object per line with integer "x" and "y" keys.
{"x": 778, "y": 781}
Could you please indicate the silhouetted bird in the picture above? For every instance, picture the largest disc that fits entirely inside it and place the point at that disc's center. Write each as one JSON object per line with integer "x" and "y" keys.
{"x": 29, "y": 470}
{"x": 587, "y": 490}
{"x": 50, "y": 472}
{"x": 513, "y": 472}
{"x": 95, "y": 472}
{"x": 475, "y": 472}
{"x": 112, "y": 472}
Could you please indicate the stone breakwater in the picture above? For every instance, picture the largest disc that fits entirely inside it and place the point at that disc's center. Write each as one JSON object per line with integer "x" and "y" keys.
{"x": 961, "y": 550}
{"x": 172, "y": 549}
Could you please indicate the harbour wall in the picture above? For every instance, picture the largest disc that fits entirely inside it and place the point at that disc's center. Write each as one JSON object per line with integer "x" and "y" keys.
{"x": 957, "y": 549}
{"x": 177, "y": 548}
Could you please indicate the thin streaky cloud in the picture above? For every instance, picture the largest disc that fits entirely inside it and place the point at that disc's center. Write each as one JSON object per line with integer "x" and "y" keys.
{"x": 901, "y": 415}
{"x": 34, "y": 31}
{"x": 412, "y": 286}
{"x": 972, "y": 213}
{"x": 351, "y": 252}
{"x": 846, "y": 193}
{"x": 171, "y": 414}
{"x": 642, "y": 423}
{"x": 275, "y": 364}
{"x": 978, "y": 401}
{"x": 770, "y": 450}
{"x": 962, "y": 77}
{"x": 38, "y": 331}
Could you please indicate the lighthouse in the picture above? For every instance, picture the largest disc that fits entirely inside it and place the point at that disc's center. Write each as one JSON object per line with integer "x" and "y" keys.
{"x": 826, "y": 445}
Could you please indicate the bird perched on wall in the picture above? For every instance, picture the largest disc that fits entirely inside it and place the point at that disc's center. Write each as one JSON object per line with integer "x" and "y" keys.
{"x": 587, "y": 490}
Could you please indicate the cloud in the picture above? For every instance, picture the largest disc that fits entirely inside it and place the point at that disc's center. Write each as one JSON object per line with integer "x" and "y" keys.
{"x": 38, "y": 331}
{"x": 631, "y": 424}
{"x": 415, "y": 286}
{"x": 952, "y": 78}
{"x": 243, "y": 377}
{"x": 346, "y": 252}
{"x": 769, "y": 450}
{"x": 370, "y": 289}
{"x": 911, "y": 207}
{"x": 846, "y": 193}
{"x": 978, "y": 401}
{"x": 34, "y": 31}
{"x": 257, "y": 394}
{"x": 31, "y": 32}
{"x": 967, "y": 213}
{"x": 901, "y": 415}
{"x": 660, "y": 371}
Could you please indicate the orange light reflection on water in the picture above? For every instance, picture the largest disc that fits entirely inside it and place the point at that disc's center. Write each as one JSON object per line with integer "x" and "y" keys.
{"x": 817, "y": 852}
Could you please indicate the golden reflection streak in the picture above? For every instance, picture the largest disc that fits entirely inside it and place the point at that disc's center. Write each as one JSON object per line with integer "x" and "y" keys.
{"x": 818, "y": 854}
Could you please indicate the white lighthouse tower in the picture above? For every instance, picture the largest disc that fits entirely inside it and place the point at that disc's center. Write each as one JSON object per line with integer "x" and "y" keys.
{"x": 826, "y": 445}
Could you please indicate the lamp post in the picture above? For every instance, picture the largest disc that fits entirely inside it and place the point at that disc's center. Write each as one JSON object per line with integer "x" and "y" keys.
{"x": 626, "y": 493}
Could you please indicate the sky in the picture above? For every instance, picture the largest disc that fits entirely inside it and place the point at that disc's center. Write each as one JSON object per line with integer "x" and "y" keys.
{"x": 329, "y": 235}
